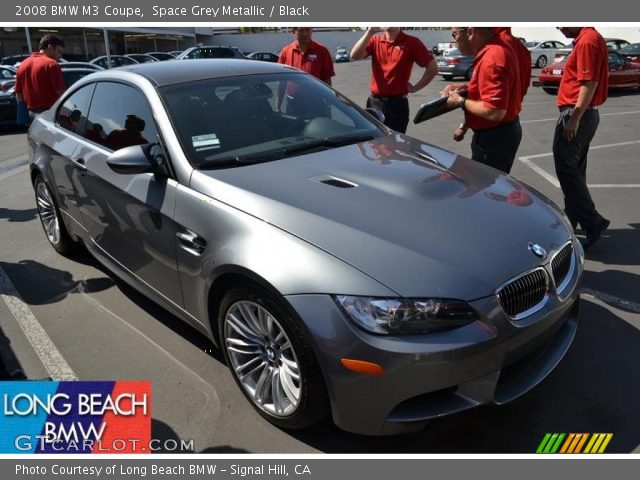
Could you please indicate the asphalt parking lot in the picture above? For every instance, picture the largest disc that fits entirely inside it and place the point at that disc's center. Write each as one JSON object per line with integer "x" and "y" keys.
{"x": 103, "y": 329}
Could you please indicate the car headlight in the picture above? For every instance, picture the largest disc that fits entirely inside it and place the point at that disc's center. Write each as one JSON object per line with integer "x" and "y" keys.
{"x": 407, "y": 316}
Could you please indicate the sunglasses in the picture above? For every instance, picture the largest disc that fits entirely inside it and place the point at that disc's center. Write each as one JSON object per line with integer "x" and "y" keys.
{"x": 455, "y": 34}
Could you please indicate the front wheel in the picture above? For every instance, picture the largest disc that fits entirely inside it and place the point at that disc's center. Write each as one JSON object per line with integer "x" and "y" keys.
{"x": 271, "y": 359}
{"x": 550, "y": 91}
{"x": 541, "y": 62}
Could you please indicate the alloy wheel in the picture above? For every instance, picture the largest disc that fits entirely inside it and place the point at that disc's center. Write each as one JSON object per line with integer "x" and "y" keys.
{"x": 47, "y": 212}
{"x": 262, "y": 358}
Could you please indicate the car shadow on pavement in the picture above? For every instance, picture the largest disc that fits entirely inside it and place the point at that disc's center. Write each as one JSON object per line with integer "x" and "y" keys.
{"x": 594, "y": 389}
{"x": 18, "y": 215}
{"x": 40, "y": 284}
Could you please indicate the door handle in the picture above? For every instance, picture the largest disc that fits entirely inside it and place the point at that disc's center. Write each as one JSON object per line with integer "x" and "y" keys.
{"x": 191, "y": 242}
{"x": 79, "y": 164}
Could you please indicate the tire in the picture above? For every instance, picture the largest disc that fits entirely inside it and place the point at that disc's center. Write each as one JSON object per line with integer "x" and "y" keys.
{"x": 469, "y": 73}
{"x": 51, "y": 219}
{"x": 541, "y": 61}
{"x": 550, "y": 91}
{"x": 263, "y": 344}
{"x": 447, "y": 77}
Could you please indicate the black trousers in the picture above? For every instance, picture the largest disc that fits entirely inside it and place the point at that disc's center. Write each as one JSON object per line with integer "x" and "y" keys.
{"x": 497, "y": 147}
{"x": 571, "y": 167}
{"x": 395, "y": 109}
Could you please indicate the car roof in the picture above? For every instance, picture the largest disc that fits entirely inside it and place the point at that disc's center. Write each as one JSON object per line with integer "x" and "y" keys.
{"x": 169, "y": 73}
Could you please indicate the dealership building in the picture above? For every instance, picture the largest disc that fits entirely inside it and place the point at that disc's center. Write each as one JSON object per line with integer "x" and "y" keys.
{"x": 87, "y": 43}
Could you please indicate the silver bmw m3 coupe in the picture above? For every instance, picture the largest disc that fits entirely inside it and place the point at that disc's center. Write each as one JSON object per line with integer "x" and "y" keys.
{"x": 343, "y": 269}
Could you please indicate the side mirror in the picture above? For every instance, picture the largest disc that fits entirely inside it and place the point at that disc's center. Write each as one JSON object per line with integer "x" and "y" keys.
{"x": 130, "y": 160}
{"x": 375, "y": 113}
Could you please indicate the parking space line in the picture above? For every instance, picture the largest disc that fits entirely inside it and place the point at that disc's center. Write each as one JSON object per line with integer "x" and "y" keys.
{"x": 612, "y": 300}
{"x": 53, "y": 361}
{"x": 539, "y": 170}
{"x": 554, "y": 119}
{"x": 554, "y": 181}
{"x": 13, "y": 171}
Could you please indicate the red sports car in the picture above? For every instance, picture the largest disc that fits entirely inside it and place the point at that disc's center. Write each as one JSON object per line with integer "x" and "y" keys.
{"x": 622, "y": 74}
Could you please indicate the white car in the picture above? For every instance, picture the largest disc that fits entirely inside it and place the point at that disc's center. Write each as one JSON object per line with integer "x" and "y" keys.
{"x": 543, "y": 52}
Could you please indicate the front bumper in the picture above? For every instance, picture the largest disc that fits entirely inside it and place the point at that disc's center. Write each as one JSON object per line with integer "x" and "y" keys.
{"x": 491, "y": 360}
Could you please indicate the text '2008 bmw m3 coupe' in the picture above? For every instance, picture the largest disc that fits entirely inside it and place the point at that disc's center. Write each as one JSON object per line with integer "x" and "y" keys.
{"x": 343, "y": 269}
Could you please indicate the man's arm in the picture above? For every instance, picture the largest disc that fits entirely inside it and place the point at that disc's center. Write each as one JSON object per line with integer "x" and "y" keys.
{"x": 430, "y": 72}
{"x": 476, "y": 107}
{"x": 359, "y": 50}
{"x": 585, "y": 95}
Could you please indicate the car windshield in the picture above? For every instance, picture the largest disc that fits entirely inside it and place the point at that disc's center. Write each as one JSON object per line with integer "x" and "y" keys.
{"x": 453, "y": 52}
{"x": 532, "y": 44}
{"x": 234, "y": 121}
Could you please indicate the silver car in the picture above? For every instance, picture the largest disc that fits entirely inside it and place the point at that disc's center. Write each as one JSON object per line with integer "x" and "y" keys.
{"x": 342, "y": 268}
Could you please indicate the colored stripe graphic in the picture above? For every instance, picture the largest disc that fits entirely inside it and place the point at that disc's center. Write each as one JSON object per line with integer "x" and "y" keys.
{"x": 574, "y": 443}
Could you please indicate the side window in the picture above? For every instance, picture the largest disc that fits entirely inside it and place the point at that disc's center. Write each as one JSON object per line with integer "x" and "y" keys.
{"x": 72, "y": 114}
{"x": 120, "y": 117}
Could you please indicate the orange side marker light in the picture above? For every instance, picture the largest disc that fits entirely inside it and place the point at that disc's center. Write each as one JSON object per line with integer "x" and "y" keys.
{"x": 360, "y": 366}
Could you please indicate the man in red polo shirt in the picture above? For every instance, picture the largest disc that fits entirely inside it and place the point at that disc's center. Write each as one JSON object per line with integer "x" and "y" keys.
{"x": 308, "y": 56}
{"x": 493, "y": 100}
{"x": 392, "y": 57}
{"x": 39, "y": 81}
{"x": 522, "y": 54}
{"x": 582, "y": 89}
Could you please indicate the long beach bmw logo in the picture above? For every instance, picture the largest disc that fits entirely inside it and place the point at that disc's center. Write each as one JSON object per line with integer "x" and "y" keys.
{"x": 537, "y": 250}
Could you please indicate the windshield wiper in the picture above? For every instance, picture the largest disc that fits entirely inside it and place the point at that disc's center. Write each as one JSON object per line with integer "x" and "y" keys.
{"x": 284, "y": 152}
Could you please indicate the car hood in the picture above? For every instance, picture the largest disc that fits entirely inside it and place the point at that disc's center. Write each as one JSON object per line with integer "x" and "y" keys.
{"x": 420, "y": 220}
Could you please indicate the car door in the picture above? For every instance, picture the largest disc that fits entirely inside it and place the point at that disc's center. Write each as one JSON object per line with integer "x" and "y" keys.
{"x": 128, "y": 216}
{"x": 69, "y": 126}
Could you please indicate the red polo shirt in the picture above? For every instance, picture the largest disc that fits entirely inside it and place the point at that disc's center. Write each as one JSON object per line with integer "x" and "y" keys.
{"x": 392, "y": 61}
{"x": 315, "y": 61}
{"x": 38, "y": 80}
{"x": 522, "y": 54}
{"x": 588, "y": 61}
{"x": 495, "y": 82}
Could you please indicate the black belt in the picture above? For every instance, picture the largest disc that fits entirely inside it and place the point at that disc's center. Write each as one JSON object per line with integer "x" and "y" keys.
{"x": 564, "y": 108}
{"x": 387, "y": 99}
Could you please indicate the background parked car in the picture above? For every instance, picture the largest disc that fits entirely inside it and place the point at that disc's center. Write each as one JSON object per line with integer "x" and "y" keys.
{"x": 142, "y": 57}
{"x": 622, "y": 74}
{"x": 8, "y": 104}
{"x": 161, "y": 56}
{"x": 631, "y": 52}
{"x": 212, "y": 51}
{"x": 543, "y": 52}
{"x": 175, "y": 53}
{"x": 615, "y": 43}
{"x": 263, "y": 56}
{"x": 7, "y": 72}
{"x": 116, "y": 61}
{"x": 455, "y": 64}
{"x": 13, "y": 60}
{"x": 342, "y": 55}
{"x": 86, "y": 65}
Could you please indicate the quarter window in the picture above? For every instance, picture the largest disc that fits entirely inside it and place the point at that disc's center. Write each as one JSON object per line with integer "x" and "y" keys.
{"x": 72, "y": 114}
{"x": 120, "y": 117}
